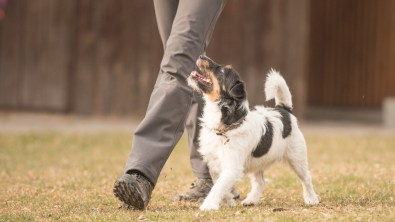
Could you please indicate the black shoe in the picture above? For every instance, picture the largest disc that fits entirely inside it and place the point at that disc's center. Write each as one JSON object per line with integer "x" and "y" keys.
{"x": 133, "y": 190}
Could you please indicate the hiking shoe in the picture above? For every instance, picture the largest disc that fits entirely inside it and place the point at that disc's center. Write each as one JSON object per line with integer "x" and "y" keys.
{"x": 134, "y": 190}
{"x": 199, "y": 191}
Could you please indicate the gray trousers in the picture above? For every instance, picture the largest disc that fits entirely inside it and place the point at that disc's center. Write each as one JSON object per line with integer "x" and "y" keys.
{"x": 185, "y": 27}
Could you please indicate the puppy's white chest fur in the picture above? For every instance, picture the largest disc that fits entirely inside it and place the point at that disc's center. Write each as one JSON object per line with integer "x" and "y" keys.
{"x": 242, "y": 140}
{"x": 211, "y": 144}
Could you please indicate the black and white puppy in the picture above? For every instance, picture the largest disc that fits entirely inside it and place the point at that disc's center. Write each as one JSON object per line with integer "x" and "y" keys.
{"x": 235, "y": 140}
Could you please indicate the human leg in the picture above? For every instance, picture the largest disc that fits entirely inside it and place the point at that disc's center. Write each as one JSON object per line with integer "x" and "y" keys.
{"x": 165, "y": 12}
{"x": 171, "y": 98}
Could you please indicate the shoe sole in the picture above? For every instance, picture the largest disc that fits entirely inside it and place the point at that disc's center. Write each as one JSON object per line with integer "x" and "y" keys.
{"x": 126, "y": 190}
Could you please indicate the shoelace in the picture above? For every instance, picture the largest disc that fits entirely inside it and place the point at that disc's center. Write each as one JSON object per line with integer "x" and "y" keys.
{"x": 142, "y": 178}
{"x": 194, "y": 184}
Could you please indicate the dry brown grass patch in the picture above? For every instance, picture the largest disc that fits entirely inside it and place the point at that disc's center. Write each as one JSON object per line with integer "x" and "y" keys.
{"x": 47, "y": 177}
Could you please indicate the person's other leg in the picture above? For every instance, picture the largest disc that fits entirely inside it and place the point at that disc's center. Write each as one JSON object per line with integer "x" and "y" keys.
{"x": 199, "y": 167}
{"x": 172, "y": 98}
{"x": 165, "y": 12}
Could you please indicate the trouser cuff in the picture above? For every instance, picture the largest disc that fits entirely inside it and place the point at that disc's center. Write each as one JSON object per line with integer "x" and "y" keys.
{"x": 143, "y": 169}
{"x": 201, "y": 175}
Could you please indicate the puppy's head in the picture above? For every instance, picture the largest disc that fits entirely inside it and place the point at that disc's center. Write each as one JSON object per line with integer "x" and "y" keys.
{"x": 222, "y": 85}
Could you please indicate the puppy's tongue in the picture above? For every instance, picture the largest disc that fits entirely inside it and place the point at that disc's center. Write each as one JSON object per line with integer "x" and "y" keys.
{"x": 196, "y": 74}
{"x": 200, "y": 77}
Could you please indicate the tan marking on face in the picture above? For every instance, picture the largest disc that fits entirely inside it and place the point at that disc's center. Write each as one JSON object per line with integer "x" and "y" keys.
{"x": 215, "y": 93}
{"x": 223, "y": 87}
{"x": 203, "y": 64}
{"x": 229, "y": 66}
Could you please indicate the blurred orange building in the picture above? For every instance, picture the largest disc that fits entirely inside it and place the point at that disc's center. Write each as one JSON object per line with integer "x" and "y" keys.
{"x": 102, "y": 57}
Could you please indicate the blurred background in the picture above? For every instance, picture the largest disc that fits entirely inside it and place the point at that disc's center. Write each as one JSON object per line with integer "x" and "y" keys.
{"x": 101, "y": 58}
{"x": 76, "y": 77}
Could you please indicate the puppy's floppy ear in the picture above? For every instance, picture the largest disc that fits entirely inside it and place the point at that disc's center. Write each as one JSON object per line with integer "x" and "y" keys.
{"x": 238, "y": 91}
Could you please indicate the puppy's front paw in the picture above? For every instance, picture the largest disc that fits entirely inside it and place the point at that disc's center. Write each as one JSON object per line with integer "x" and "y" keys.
{"x": 208, "y": 206}
{"x": 230, "y": 202}
{"x": 249, "y": 201}
{"x": 312, "y": 199}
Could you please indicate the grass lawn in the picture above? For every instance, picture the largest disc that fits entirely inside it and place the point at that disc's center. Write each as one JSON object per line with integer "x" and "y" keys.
{"x": 69, "y": 178}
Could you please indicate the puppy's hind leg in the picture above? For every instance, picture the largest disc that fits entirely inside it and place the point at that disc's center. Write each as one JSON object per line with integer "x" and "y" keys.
{"x": 297, "y": 159}
{"x": 257, "y": 185}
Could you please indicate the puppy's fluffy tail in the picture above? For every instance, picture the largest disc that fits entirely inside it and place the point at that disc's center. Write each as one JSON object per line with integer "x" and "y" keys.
{"x": 276, "y": 87}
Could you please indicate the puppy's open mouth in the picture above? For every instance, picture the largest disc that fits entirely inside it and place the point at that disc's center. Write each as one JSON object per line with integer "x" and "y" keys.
{"x": 202, "y": 79}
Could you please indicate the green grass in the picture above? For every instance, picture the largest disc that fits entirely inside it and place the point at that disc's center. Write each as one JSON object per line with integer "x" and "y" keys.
{"x": 69, "y": 178}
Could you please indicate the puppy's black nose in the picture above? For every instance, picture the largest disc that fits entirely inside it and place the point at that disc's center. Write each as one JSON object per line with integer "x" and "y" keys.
{"x": 201, "y": 56}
